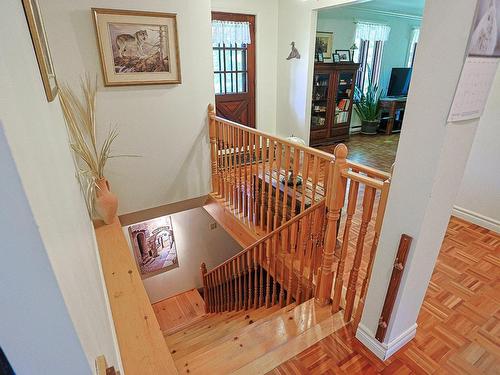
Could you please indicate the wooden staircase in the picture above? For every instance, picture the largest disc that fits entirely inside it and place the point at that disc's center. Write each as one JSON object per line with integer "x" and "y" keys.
{"x": 250, "y": 341}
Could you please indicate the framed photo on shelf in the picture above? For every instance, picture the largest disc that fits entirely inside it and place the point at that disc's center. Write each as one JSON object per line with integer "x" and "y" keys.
{"x": 137, "y": 48}
{"x": 336, "y": 57}
{"x": 344, "y": 55}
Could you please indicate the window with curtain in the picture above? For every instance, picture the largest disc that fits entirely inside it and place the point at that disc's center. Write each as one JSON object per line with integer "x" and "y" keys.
{"x": 230, "y": 40}
{"x": 412, "y": 48}
{"x": 370, "y": 40}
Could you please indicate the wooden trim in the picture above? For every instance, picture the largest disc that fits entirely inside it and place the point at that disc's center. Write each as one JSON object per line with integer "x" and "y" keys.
{"x": 392, "y": 291}
{"x": 141, "y": 343}
{"x": 167, "y": 209}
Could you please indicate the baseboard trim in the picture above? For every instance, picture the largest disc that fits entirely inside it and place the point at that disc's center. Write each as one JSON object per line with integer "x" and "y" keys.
{"x": 475, "y": 218}
{"x": 382, "y": 350}
{"x": 167, "y": 209}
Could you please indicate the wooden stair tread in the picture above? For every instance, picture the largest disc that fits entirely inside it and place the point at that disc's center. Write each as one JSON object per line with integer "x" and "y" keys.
{"x": 214, "y": 332}
{"x": 236, "y": 224}
{"x": 250, "y": 343}
{"x": 177, "y": 311}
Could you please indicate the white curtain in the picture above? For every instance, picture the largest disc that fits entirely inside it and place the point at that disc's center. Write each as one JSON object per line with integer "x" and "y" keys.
{"x": 372, "y": 31}
{"x": 229, "y": 32}
{"x": 415, "y": 35}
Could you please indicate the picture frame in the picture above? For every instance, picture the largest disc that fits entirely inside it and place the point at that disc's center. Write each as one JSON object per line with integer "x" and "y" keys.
{"x": 41, "y": 46}
{"x": 335, "y": 57}
{"x": 324, "y": 44}
{"x": 344, "y": 55}
{"x": 154, "y": 246}
{"x": 137, "y": 47}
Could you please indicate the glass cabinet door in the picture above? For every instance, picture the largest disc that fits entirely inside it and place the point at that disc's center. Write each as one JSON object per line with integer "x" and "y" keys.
{"x": 319, "y": 100}
{"x": 343, "y": 98}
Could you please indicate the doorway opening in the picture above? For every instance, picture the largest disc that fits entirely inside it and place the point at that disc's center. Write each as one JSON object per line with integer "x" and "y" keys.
{"x": 233, "y": 43}
{"x": 362, "y": 76}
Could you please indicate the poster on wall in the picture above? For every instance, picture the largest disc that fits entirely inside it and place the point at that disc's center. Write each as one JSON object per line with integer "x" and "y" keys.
{"x": 154, "y": 246}
{"x": 481, "y": 64}
{"x": 137, "y": 48}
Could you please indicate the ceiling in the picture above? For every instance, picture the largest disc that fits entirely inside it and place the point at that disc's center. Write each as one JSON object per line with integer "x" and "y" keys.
{"x": 411, "y": 7}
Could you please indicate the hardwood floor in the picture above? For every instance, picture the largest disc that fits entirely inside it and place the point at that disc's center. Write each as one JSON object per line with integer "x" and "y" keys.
{"x": 179, "y": 310}
{"x": 378, "y": 151}
{"x": 458, "y": 326}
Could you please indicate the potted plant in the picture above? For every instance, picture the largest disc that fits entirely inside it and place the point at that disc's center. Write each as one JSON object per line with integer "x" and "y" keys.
{"x": 91, "y": 157}
{"x": 368, "y": 108}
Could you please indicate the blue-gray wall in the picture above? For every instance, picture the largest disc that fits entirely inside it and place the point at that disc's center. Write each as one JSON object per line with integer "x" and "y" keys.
{"x": 341, "y": 22}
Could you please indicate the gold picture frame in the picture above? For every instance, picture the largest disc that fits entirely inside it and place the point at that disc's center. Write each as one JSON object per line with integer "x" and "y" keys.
{"x": 137, "y": 47}
{"x": 41, "y": 46}
{"x": 324, "y": 43}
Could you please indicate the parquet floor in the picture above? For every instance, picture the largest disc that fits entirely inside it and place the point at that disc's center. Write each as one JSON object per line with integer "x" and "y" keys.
{"x": 376, "y": 151}
{"x": 459, "y": 323}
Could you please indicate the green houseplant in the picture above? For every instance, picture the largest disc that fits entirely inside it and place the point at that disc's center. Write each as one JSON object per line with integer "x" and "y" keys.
{"x": 368, "y": 108}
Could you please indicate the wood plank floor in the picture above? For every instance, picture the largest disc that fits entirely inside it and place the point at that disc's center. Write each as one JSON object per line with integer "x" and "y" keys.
{"x": 459, "y": 324}
{"x": 179, "y": 310}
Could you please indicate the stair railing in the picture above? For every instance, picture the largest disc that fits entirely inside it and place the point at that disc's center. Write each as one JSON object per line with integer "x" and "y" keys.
{"x": 280, "y": 268}
{"x": 250, "y": 172}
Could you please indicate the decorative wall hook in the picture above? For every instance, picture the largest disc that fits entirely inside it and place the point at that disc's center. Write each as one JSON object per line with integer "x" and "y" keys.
{"x": 294, "y": 53}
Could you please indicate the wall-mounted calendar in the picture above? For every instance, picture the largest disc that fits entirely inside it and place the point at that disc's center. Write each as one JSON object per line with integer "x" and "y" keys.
{"x": 481, "y": 64}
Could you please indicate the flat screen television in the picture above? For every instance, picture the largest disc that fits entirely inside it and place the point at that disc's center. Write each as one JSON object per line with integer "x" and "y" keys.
{"x": 399, "y": 82}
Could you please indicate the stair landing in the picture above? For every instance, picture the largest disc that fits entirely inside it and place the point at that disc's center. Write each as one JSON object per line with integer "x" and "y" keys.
{"x": 229, "y": 343}
{"x": 177, "y": 311}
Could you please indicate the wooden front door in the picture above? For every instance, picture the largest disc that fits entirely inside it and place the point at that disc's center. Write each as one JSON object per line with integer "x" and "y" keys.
{"x": 234, "y": 74}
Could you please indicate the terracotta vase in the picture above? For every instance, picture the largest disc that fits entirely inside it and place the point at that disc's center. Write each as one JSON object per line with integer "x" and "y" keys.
{"x": 106, "y": 203}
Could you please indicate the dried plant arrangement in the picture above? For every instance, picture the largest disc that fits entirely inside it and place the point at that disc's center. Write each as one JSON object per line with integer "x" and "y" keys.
{"x": 80, "y": 118}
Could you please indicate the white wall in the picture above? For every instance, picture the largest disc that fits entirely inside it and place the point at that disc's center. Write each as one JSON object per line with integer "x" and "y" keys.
{"x": 297, "y": 22}
{"x": 266, "y": 34}
{"x": 423, "y": 188}
{"x": 479, "y": 196}
{"x": 35, "y": 324}
{"x": 196, "y": 243}
{"x": 37, "y": 136}
{"x": 165, "y": 124}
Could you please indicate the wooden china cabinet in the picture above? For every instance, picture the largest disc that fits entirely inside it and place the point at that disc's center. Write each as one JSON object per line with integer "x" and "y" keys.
{"x": 332, "y": 97}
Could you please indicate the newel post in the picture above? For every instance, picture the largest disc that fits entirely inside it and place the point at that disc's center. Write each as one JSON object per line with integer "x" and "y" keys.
{"x": 203, "y": 270}
{"x": 335, "y": 194}
{"x": 212, "y": 131}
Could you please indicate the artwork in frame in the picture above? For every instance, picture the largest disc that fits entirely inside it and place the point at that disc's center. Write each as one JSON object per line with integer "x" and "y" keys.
{"x": 485, "y": 35}
{"x": 324, "y": 44}
{"x": 336, "y": 57}
{"x": 137, "y": 48}
{"x": 344, "y": 55}
{"x": 41, "y": 46}
{"x": 154, "y": 246}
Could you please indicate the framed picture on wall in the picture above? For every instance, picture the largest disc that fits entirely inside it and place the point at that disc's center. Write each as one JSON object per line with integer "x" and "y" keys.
{"x": 154, "y": 246}
{"x": 137, "y": 48}
{"x": 336, "y": 57}
{"x": 324, "y": 44}
{"x": 41, "y": 46}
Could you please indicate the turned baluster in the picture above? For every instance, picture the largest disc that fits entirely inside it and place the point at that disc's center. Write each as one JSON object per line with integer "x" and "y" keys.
{"x": 382, "y": 203}
{"x": 270, "y": 187}
{"x": 238, "y": 276}
{"x": 368, "y": 199}
{"x": 263, "y": 152}
{"x": 278, "y": 183}
{"x": 246, "y": 141}
{"x": 251, "y": 195}
{"x": 209, "y": 290}
{"x": 314, "y": 178}
{"x": 255, "y": 277}
{"x": 284, "y": 255}
{"x": 274, "y": 261}
{"x": 261, "y": 274}
{"x": 295, "y": 173}
{"x": 335, "y": 194}
{"x": 203, "y": 270}
{"x": 306, "y": 223}
{"x": 229, "y": 178}
{"x": 305, "y": 176}
{"x": 293, "y": 249}
{"x": 249, "y": 277}
{"x": 268, "y": 273}
{"x": 212, "y": 130}
{"x": 285, "y": 187}
{"x": 351, "y": 209}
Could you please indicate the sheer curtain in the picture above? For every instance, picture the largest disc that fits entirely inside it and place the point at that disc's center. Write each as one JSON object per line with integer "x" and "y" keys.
{"x": 370, "y": 38}
{"x": 230, "y": 33}
{"x": 415, "y": 35}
